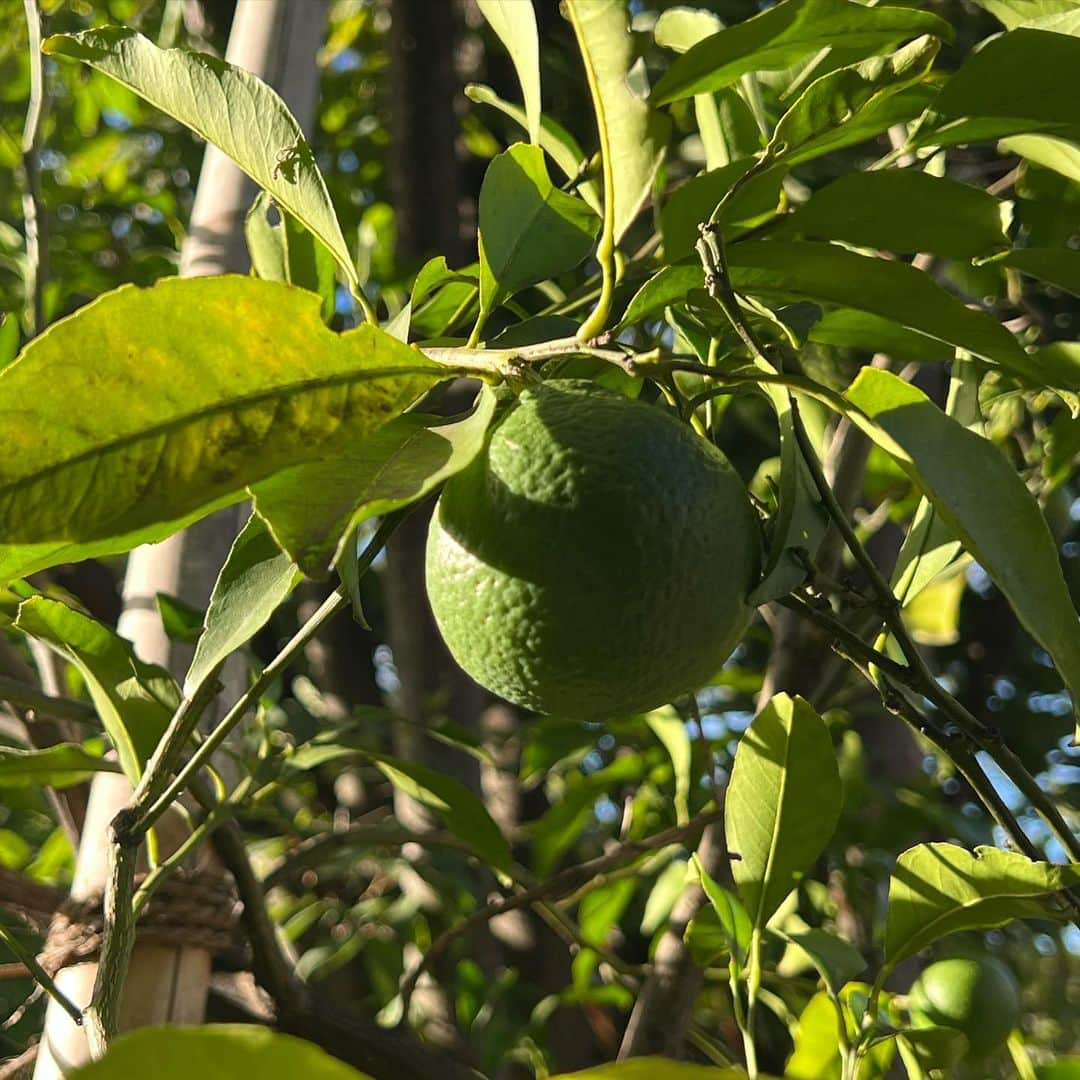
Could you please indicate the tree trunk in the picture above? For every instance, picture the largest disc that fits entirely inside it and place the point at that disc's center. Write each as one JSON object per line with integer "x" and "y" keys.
{"x": 277, "y": 40}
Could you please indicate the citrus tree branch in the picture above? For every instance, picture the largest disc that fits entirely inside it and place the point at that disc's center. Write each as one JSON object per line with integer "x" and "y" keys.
{"x": 33, "y": 204}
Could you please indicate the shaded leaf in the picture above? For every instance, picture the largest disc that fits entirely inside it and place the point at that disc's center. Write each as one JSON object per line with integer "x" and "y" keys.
{"x": 227, "y": 106}
{"x": 1058, "y": 266}
{"x": 256, "y": 578}
{"x": 215, "y": 1052}
{"x": 650, "y": 1068}
{"x": 835, "y": 960}
{"x": 1007, "y": 534}
{"x": 135, "y": 700}
{"x": 312, "y": 509}
{"x": 734, "y": 919}
{"x": 787, "y": 33}
{"x": 9, "y": 339}
{"x": 515, "y": 23}
{"x": 939, "y": 889}
{"x": 288, "y": 252}
{"x": 59, "y": 766}
{"x": 783, "y": 802}
{"x": 1011, "y": 86}
{"x": 851, "y": 329}
{"x": 196, "y": 388}
{"x": 529, "y": 229}
{"x": 632, "y": 135}
{"x": 903, "y": 210}
{"x": 669, "y": 728}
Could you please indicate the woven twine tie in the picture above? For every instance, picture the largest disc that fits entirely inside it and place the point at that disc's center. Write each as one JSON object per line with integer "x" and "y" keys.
{"x": 194, "y": 908}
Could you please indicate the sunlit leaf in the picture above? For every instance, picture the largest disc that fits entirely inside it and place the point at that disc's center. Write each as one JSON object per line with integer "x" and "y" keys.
{"x": 59, "y": 766}
{"x": 787, "y": 33}
{"x": 152, "y": 406}
{"x": 135, "y": 700}
{"x": 228, "y": 107}
{"x": 782, "y": 804}
{"x": 515, "y": 23}
{"x": 256, "y": 578}
{"x": 631, "y": 133}
{"x": 939, "y": 889}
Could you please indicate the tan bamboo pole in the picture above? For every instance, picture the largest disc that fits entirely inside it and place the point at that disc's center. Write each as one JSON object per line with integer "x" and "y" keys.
{"x": 277, "y": 40}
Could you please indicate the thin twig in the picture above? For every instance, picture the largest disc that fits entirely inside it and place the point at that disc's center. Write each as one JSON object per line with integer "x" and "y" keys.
{"x": 33, "y": 204}
{"x": 42, "y": 977}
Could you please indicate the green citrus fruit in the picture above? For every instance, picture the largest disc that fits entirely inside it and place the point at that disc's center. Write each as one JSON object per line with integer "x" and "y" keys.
{"x": 978, "y": 997}
{"x": 595, "y": 560}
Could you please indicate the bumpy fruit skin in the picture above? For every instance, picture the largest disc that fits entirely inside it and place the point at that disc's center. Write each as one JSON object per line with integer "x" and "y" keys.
{"x": 595, "y": 561}
{"x": 978, "y": 997}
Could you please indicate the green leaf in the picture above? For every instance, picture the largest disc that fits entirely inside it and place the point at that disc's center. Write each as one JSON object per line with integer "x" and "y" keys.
{"x": 783, "y": 802}
{"x": 1044, "y": 150}
{"x": 733, "y": 918}
{"x": 134, "y": 700}
{"x": 851, "y": 329}
{"x": 287, "y": 252}
{"x": 312, "y": 509}
{"x": 9, "y": 339}
{"x": 215, "y": 1052}
{"x": 787, "y": 33}
{"x": 1058, "y": 266}
{"x": 668, "y": 286}
{"x": 955, "y": 468}
{"x": 529, "y": 229}
{"x": 61, "y": 765}
{"x": 934, "y": 1047}
{"x": 851, "y": 96}
{"x": 681, "y": 28}
{"x": 694, "y": 203}
{"x": 664, "y": 894}
{"x": 553, "y": 139}
{"x": 228, "y": 107}
{"x": 149, "y": 407}
{"x": 1011, "y": 86}
{"x": 632, "y": 135}
{"x": 902, "y": 210}
{"x": 834, "y": 959}
{"x": 650, "y": 1068}
{"x": 669, "y": 728}
{"x": 1013, "y": 13}
{"x": 817, "y": 1044}
{"x": 465, "y": 815}
{"x": 939, "y": 889}
{"x": 514, "y": 21}
{"x": 254, "y": 581}
{"x": 890, "y": 289}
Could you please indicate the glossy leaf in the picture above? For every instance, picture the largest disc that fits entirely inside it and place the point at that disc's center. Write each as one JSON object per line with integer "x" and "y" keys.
{"x": 228, "y": 107}
{"x": 256, "y": 578}
{"x": 514, "y": 21}
{"x": 287, "y": 252}
{"x": 667, "y": 286}
{"x": 215, "y": 1052}
{"x": 633, "y": 135}
{"x": 902, "y": 210}
{"x": 782, "y": 804}
{"x": 940, "y": 889}
{"x": 529, "y": 229}
{"x": 1058, "y": 266}
{"x": 196, "y": 388}
{"x": 135, "y": 700}
{"x": 312, "y": 509}
{"x": 58, "y": 766}
{"x": 1011, "y": 86}
{"x": 1007, "y": 534}
{"x": 787, "y": 33}
{"x": 553, "y": 139}
{"x": 849, "y": 96}
{"x": 892, "y": 290}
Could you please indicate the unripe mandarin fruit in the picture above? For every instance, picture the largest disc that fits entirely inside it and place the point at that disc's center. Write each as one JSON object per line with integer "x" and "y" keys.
{"x": 595, "y": 559}
{"x": 978, "y": 997}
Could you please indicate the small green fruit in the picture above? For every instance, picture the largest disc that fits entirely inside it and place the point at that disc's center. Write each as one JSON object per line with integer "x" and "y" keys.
{"x": 595, "y": 560}
{"x": 978, "y": 997}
